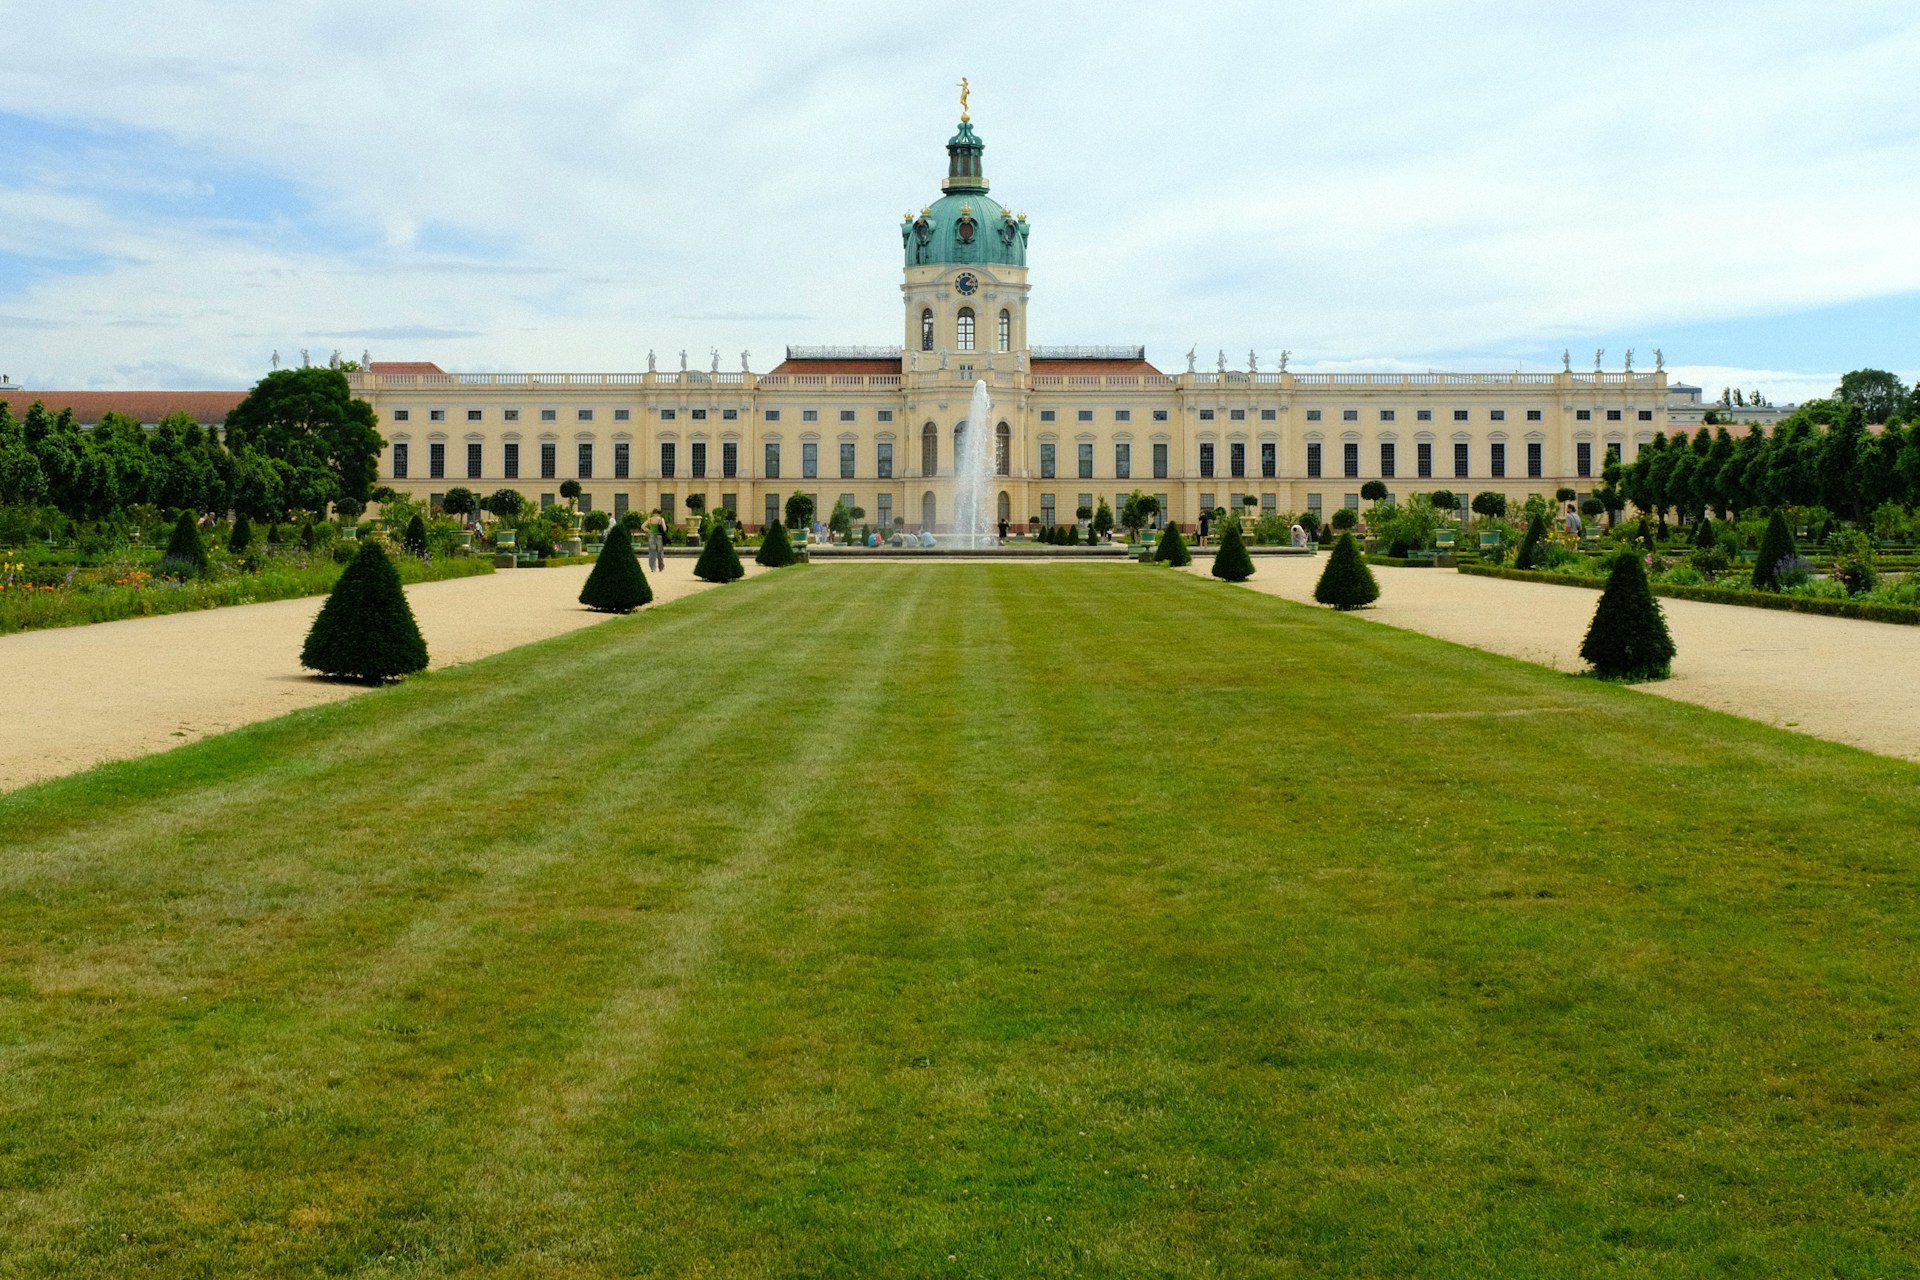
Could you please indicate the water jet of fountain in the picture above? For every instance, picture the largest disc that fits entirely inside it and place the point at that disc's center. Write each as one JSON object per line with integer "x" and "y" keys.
{"x": 973, "y": 474}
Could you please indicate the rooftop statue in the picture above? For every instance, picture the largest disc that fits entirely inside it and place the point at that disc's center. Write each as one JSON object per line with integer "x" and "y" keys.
{"x": 650, "y": 368}
{"x": 1659, "y": 359}
{"x": 1566, "y": 360}
{"x": 963, "y": 99}
{"x": 1190, "y": 354}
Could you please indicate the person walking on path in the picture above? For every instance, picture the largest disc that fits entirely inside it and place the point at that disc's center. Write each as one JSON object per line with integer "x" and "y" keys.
{"x": 656, "y": 542}
{"x": 1573, "y": 525}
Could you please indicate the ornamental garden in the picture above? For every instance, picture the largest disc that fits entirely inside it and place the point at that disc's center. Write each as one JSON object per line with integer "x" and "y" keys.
{"x": 908, "y": 917}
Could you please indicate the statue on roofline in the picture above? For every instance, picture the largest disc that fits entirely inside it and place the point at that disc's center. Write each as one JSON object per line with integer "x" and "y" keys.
{"x": 1659, "y": 359}
{"x": 650, "y": 367}
{"x": 1191, "y": 351}
{"x": 276, "y": 357}
{"x": 1598, "y": 354}
{"x": 744, "y": 367}
{"x": 1566, "y": 360}
{"x": 1629, "y": 364}
{"x": 1253, "y": 363}
{"x": 1284, "y": 355}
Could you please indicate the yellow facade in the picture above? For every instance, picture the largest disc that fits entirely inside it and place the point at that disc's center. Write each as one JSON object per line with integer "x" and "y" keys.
{"x": 877, "y": 426}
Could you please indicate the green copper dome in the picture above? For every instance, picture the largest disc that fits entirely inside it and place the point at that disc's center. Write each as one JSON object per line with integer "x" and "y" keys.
{"x": 964, "y": 225}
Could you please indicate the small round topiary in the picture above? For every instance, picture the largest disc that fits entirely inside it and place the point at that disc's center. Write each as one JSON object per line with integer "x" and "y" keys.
{"x": 365, "y": 630}
{"x": 1173, "y": 548}
{"x": 1346, "y": 583}
{"x": 1776, "y": 545}
{"x": 617, "y": 583}
{"x": 1231, "y": 562}
{"x": 186, "y": 552}
{"x": 776, "y": 548}
{"x": 1628, "y": 637}
{"x": 718, "y": 561}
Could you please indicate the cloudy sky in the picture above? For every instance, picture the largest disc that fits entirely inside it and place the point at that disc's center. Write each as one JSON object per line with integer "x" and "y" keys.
{"x": 186, "y": 187}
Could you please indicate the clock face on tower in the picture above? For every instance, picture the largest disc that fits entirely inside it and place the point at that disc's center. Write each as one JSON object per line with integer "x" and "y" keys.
{"x": 966, "y": 282}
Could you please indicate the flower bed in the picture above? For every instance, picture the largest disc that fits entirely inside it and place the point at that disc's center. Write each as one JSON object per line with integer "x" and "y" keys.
{"x": 1827, "y": 607}
{"x": 76, "y": 596}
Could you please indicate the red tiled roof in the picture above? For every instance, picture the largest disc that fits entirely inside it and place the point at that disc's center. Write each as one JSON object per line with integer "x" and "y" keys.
{"x": 404, "y": 366}
{"x": 837, "y": 366}
{"x": 145, "y": 406}
{"x": 1093, "y": 367}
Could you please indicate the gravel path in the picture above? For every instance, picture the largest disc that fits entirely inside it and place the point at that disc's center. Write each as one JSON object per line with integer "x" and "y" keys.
{"x": 77, "y": 696}
{"x": 1835, "y": 678}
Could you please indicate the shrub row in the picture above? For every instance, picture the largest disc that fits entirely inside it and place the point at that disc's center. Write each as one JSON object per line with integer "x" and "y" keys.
{"x": 1396, "y": 562}
{"x": 1905, "y": 614}
{"x": 37, "y": 610}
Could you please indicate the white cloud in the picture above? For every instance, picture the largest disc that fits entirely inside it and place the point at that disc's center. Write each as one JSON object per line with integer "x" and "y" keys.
{"x": 1361, "y": 184}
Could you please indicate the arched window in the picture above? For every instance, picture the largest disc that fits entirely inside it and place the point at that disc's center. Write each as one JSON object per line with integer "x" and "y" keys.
{"x": 1006, "y": 507}
{"x": 926, "y": 329}
{"x": 929, "y": 450}
{"x": 964, "y": 334}
{"x": 1003, "y": 450}
{"x": 1006, "y": 329}
{"x": 926, "y": 511}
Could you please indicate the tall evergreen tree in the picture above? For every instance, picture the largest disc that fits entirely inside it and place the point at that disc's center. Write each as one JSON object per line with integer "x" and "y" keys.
{"x": 1529, "y": 555}
{"x": 776, "y": 547}
{"x": 186, "y": 551}
{"x": 1628, "y": 637}
{"x": 1173, "y": 548}
{"x": 1346, "y": 583}
{"x": 1776, "y": 545}
{"x": 718, "y": 561}
{"x": 366, "y": 631}
{"x": 415, "y": 539}
{"x": 242, "y": 536}
{"x": 617, "y": 583}
{"x": 1231, "y": 562}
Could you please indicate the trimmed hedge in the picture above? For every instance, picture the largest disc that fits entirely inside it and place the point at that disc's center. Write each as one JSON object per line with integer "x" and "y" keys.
{"x": 718, "y": 561}
{"x": 1346, "y": 583}
{"x": 776, "y": 548}
{"x": 1173, "y": 548}
{"x": 617, "y": 584}
{"x": 365, "y": 631}
{"x": 1397, "y": 562}
{"x": 1908, "y": 615}
{"x": 1231, "y": 562}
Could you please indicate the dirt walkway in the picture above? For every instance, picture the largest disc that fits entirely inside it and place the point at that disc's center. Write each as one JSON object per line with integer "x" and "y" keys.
{"x": 73, "y": 697}
{"x": 1834, "y": 678}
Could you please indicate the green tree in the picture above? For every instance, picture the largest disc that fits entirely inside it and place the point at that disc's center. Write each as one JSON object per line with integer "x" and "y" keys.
{"x": 242, "y": 536}
{"x": 800, "y": 511}
{"x": 776, "y": 547}
{"x": 1102, "y": 520}
{"x": 1173, "y": 548}
{"x": 1490, "y": 504}
{"x": 718, "y": 561}
{"x": 309, "y": 420}
{"x": 1374, "y": 491}
{"x": 1877, "y": 394}
{"x": 1346, "y": 582}
{"x": 570, "y": 492}
{"x": 617, "y": 583}
{"x": 1529, "y": 555}
{"x": 414, "y": 541}
{"x": 1776, "y": 545}
{"x": 504, "y": 503}
{"x": 1628, "y": 639}
{"x": 186, "y": 552}
{"x": 1137, "y": 512}
{"x": 366, "y": 631}
{"x": 460, "y": 501}
{"x": 1445, "y": 500}
{"x": 1231, "y": 561}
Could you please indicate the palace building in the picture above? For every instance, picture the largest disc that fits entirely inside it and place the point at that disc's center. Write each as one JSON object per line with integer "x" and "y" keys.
{"x": 878, "y": 427}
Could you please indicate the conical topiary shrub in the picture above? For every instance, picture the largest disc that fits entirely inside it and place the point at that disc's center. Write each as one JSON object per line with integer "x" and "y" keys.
{"x": 718, "y": 561}
{"x": 186, "y": 552}
{"x": 1231, "y": 561}
{"x": 1703, "y": 534}
{"x": 242, "y": 536}
{"x": 1529, "y": 557}
{"x": 1628, "y": 639}
{"x": 617, "y": 583}
{"x": 776, "y": 548}
{"x": 1173, "y": 547}
{"x": 415, "y": 539}
{"x": 365, "y": 630}
{"x": 1776, "y": 544}
{"x": 1346, "y": 583}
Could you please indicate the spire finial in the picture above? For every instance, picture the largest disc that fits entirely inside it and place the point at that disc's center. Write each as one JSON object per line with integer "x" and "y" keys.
{"x": 963, "y": 100}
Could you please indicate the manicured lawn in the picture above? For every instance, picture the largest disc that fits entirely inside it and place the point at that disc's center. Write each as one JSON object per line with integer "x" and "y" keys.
{"x": 968, "y": 920}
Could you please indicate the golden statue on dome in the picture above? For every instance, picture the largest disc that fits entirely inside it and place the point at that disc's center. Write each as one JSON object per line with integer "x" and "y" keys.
{"x": 963, "y": 100}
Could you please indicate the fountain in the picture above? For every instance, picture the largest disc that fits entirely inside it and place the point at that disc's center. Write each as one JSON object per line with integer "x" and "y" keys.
{"x": 973, "y": 516}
